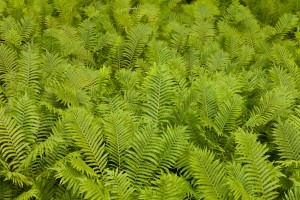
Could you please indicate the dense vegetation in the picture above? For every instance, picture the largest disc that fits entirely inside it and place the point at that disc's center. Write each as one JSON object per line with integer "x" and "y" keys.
{"x": 149, "y": 99}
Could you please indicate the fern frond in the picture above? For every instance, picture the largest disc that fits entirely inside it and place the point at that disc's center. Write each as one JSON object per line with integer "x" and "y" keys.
{"x": 286, "y": 23}
{"x": 167, "y": 187}
{"x": 29, "y": 69}
{"x": 87, "y": 34}
{"x": 17, "y": 178}
{"x": 263, "y": 176}
{"x": 238, "y": 181}
{"x": 293, "y": 194}
{"x": 68, "y": 176}
{"x": 141, "y": 159}
{"x": 13, "y": 144}
{"x": 173, "y": 145}
{"x": 158, "y": 52}
{"x": 8, "y": 60}
{"x": 272, "y": 104}
{"x": 32, "y": 193}
{"x": 25, "y": 112}
{"x": 93, "y": 189}
{"x": 229, "y": 113}
{"x": 118, "y": 133}
{"x": 287, "y": 139}
{"x": 159, "y": 87}
{"x": 26, "y": 28}
{"x": 42, "y": 150}
{"x": 209, "y": 174}
{"x": 217, "y": 61}
{"x": 207, "y": 99}
{"x": 121, "y": 9}
{"x": 135, "y": 44}
{"x": 70, "y": 96}
{"x": 88, "y": 137}
{"x": 118, "y": 185}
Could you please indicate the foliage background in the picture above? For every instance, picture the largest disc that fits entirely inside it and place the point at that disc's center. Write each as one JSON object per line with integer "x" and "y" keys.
{"x": 149, "y": 99}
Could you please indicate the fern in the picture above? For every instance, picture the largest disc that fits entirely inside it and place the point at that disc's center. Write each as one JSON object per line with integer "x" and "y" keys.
{"x": 169, "y": 186}
{"x": 287, "y": 140}
{"x": 263, "y": 176}
{"x": 158, "y": 94}
{"x": 118, "y": 133}
{"x": 209, "y": 174}
{"x": 136, "y": 41}
{"x": 88, "y": 137}
{"x": 13, "y": 144}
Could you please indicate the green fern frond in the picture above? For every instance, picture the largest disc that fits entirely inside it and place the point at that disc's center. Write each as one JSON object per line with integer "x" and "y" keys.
{"x": 272, "y": 104}
{"x": 281, "y": 78}
{"x": 77, "y": 163}
{"x": 26, "y": 28}
{"x": 88, "y": 137}
{"x": 29, "y": 68}
{"x": 158, "y": 88}
{"x": 207, "y": 99}
{"x": 209, "y": 174}
{"x": 50, "y": 40}
{"x": 25, "y": 112}
{"x": 285, "y": 24}
{"x": 17, "y": 178}
{"x": 287, "y": 139}
{"x": 32, "y": 193}
{"x": 121, "y": 9}
{"x": 135, "y": 44}
{"x": 93, "y": 189}
{"x": 70, "y": 96}
{"x": 167, "y": 187}
{"x": 158, "y": 52}
{"x": 293, "y": 194}
{"x": 118, "y": 128}
{"x": 173, "y": 145}
{"x": 229, "y": 113}
{"x": 13, "y": 144}
{"x": 141, "y": 158}
{"x": 50, "y": 61}
{"x": 203, "y": 32}
{"x": 42, "y": 150}
{"x": 263, "y": 176}
{"x": 238, "y": 181}
{"x": 87, "y": 34}
{"x": 217, "y": 61}
{"x": 8, "y": 60}
{"x": 68, "y": 176}
{"x": 118, "y": 185}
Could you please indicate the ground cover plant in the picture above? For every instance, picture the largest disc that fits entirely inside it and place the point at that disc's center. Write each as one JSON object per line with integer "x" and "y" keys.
{"x": 149, "y": 99}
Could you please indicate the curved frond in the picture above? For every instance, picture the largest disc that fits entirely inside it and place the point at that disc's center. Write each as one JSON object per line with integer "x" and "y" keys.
{"x": 8, "y": 60}
{"x": 88, "y": 137}
{"x": 25, "y": 112}
{"x": 209, "y": 174}
{"x": 263, "y": 176}
{"x": 141, "y": 159}
{"x": 167, "y": 187}
{"x": 293, "y": 194}
{"x": 135, "y": 44}
{"x": 159, "y": 88}
{"x": 229, "y": 113}
{"x": 118, "y": 128}
{"x": 13, "y": 144}
{"x": 286, "y": 23}
{"x": 118, "y": 185}
{"x": 287, "y": 138}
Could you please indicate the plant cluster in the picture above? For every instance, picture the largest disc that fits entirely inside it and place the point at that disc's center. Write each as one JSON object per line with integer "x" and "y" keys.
{"x": 149, "y": 99}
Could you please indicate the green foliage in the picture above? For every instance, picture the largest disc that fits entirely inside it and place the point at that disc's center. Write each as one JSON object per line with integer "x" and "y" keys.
{"x": 149, "y": 99}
